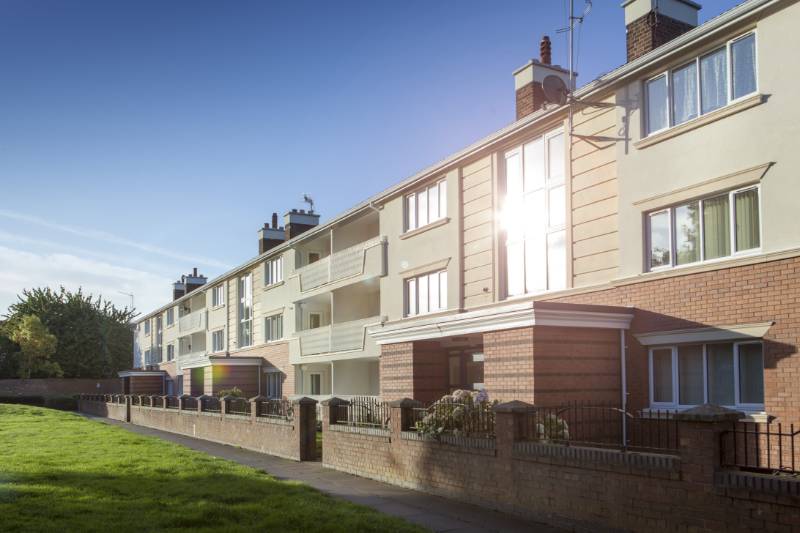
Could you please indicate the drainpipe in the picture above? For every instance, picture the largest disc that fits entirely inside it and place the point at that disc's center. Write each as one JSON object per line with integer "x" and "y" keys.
{"x": 624, "y": 387}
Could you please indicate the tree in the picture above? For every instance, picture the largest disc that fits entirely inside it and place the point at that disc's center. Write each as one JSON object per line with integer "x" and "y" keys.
{"x": 36, "y": 345}
{"x": 95, "y": 339}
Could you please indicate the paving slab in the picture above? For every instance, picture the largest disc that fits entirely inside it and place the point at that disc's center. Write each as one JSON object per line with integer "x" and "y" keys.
{"x": 434, "y": 512}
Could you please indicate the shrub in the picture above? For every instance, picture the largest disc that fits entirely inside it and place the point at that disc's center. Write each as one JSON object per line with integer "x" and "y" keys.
{"x": 552, "y": 427}
{"x": 236, "y": 392}
{"x": 460, "y": 413}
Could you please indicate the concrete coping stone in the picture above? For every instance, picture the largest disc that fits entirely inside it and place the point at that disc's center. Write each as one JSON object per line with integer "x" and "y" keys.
{"x": 407, "y": 403}
{"x": 305, "y": 400}
{"x": 515, "y": 406}
{"x": 258, "y": 398}
{"x": 334, "y": 402}
{"x": 709, "y": 413}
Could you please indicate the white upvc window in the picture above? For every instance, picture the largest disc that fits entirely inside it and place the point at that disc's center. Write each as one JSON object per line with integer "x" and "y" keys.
{"x": 274, "y": 385}
{"x": 273, "y": 271}
{"x": 426, "y": 293}
{"x": 218, "y": 341}
{"x": 245, "y": 311}
{"x": 707, "y": 229}
{"x": 147, "y": 327}
{"x": 426, "y": 206}
{"x": 170, "y": 352}
{"x": 273, "y": 328}
{"x": 316, "y": 383}
{"x": 534, "y": 216}
{"x": 702, "y": 85}
{"x": 170, "y": 316}
{"x": 218, "y": 295}
{"x": 730, "y": 374}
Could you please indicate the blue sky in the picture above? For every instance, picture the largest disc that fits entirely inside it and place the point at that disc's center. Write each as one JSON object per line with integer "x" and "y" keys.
{"x": 141, "y": 139}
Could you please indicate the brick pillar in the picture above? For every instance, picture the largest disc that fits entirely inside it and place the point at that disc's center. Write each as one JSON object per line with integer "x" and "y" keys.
{"x": 223, "y": 404}
{"x": 305, "y": 427}
{"x": 182, "y": 401}
{"x": 254, "y": 406}
{"x": 508, "y": 427}
{"x": 200, "y": 402}
{"x": 699, "y": 430}
{"x": 402, "y": 415}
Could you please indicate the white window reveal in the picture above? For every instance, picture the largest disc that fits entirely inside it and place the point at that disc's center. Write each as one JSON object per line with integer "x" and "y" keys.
{"x": 426, "y": 206}
{"x": 274, "y": 385}
{"x": 705, "y": 84}
{"x": 534, "y": 216}
{"x": 273, "y": 271}
{"x": 701, "y": 230}
{"x": 245, "y": 311}
{"x": 316, "y": 384}
{"x": 729, "y": 374}
{"x": 273, "y": 328}
{"x": 218, "y": 295}
{"x": 426, "y": 293}
{"x": 218, "y": 341}
{"x": 170, "y": 316}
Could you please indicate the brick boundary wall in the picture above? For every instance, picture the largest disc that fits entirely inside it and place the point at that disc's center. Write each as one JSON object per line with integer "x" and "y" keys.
{"x": 584, "y": 488}
{"x": 293, "y": 439}
{"x": 59, "y": 386}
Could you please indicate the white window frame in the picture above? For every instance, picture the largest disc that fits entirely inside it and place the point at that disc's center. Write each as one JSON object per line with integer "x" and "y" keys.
{"x": 220, "y": 333}
{"x": 411, "y": 205}
{"x": 321, "y": 316}
{"x": 268, "y": 328}
{"x": 147, "y": 328}
{"x": 170, "y": 318}
{"x": 411, "y": 293}
{"x": 170, "y": 352}
{"x": 273, "y": 271}
{"x": 731, "y": 228}
{"x": 245, "y": 301}
{"x": 218, "y": 295}
{"x": 274, "y": 384}
{"x": 311, "y": 383}
{"x": 675, "y": 403}
{"x": 696, "y": 60}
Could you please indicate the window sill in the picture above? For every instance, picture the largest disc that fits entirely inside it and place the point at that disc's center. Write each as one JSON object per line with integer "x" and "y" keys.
{"x": 426, "y": 227}
{"x": 273, "y": 285}
{"x": 708, "y": 118}
{"x": 666, "y": 412}
{"x": 214, "y": 308}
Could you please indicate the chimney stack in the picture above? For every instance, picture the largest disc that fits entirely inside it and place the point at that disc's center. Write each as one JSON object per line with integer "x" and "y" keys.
{"x": 270, "y": 237}
{"x": 528, "y": 79}
{"x": 187, "y": 284}
{"x": 651, "y": 23}
{"x": 299, "y": 221}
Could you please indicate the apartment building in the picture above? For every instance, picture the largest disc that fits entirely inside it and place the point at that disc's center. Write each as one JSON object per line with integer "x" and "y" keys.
{"x": 634, "y": 242}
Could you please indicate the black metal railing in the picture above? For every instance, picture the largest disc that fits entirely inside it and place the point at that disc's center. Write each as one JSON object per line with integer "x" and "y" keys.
{"x": 237, "y": 406}
{"x": 449, "y": 416}
{"x": 157, "y": 401}
{"x": 601, "y": 425}
{"x": 771, "y": 447}
{"x": 278, "y": 409}
{"x": 189, "y": 403}
{"x": 211, "y": 404}
{"x": 171, "y": 402}
{"x": 363, "y": 411}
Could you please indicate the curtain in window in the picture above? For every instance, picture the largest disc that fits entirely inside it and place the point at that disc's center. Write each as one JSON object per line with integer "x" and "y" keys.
{"x": 713, "y": 81}
{"x": 687, "y": 233}
{"x": 720, "y": 374}
{"x": 657, "y": 110}
{"x": 690, "y": 375}
{"x": 662, "y": 375}
{"x": 744, "y": 66}
{"x": 716, "y": 227}
{"x": 746, "y": 216}
{"x": 659, "y": 239}
{"x": 751, "y": 374}
{"x": 684, "y": 93}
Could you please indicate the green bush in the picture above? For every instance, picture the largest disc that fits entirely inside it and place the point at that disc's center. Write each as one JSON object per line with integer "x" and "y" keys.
{"x": 236, "y": 392}
{"x": 26, "y": 399}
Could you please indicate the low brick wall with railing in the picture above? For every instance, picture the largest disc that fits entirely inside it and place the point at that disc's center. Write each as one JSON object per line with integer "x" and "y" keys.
{"x": 276, "y": 427}
{"x": 670, "y": 477}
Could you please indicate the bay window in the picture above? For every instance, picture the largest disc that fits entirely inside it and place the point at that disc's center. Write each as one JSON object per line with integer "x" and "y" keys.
{"x": 426, "y": 293}
{"x": 730, "y": 374}
{"x": 701, "y": 230}
{"x": 534, "y": 216}
{"x": 426, "y": 206}
{"x": 704, "y": 84}
{"x": 245, "y": 310}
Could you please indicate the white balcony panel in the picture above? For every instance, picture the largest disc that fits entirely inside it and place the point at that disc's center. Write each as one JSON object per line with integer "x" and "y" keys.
{"x": 192, "y": 322}
{"x": 343, "y": 337}
{"x": 315, "y": 341}
{"x": 343, "y": 264}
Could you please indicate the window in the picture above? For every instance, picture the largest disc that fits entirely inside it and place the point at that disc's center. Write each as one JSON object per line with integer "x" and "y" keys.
{"x": 701, "y": 230}
{"x": 313, "y": 257}
{"x": 273, "y": 328}
{"x": 701, "y": 86}
{"x": 218, "y": 295}
{"x": 275, "y": 385}
{"x": 426, "y": 206}
{"x": 218, "y": 340}
{"x": 147, "y": 327}
{"x": 314, "y": 320}
{"x": 728, "y": 374}
{"x": 426, "y": 293}
{"x": 245, "y": 310}
{"x": 170, "y": 316}
{"x": 534, "y": 216}
{"x": 170, "y": 352}
{"x": 316, "y": 384}
{"x": 273, "y": 271}
{"x": 148, "y": 357}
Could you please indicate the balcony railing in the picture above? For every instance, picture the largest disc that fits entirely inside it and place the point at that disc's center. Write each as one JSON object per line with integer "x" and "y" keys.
{"x": 340, "y": 265}
{"x": 343, "y": 337}
{"x": 192, "y": 322}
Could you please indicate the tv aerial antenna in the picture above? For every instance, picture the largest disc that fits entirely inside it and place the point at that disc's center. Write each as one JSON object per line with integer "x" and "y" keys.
{"x": 310, "y": 201}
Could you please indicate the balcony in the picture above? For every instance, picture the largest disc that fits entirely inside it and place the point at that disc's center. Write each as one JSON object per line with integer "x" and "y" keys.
{"x": 196, "y": 358}
{"x": 343, "y": 337}
{"x": 364, "y": 259}
{"x": 192, "y": 322}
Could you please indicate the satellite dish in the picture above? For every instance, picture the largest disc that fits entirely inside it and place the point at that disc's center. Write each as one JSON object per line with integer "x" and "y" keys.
{"x": 555, "y": 90}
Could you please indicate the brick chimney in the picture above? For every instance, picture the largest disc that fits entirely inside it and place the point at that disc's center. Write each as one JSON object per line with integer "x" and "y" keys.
{"x": 270, "y": 236}
{"x": 528, "y": 79}
{"x": 298, "y": 221}
{"x": 187, "y": 284}
{"x": 651, "y": 23}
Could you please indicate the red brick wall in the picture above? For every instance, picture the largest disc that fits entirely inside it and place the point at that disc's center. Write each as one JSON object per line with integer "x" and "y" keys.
{"x": 413, "y": 370}
{"x": 147, "y": 385}
{"x": 508, "y": 365}
{"x": 225, "y": 377}
{"x": 59, "y": 386}
{"x": 650, "y": 31}
{"x": 530, "y": 98}
{"x": 768, "y": 291}
{"x": 275, "y": 355}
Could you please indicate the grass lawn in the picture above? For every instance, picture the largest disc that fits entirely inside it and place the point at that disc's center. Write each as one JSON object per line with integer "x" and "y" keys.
{"x": 61, "y": 472}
